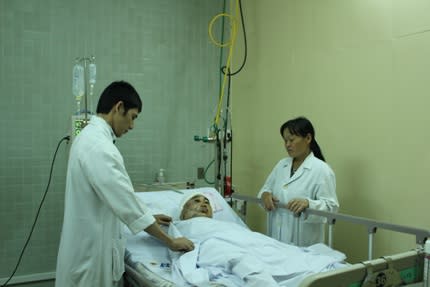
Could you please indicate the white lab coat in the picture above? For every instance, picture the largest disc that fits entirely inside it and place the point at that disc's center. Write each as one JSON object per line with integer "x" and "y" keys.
{"x": 314, "y": 181}
{"x": 99, "y": 195}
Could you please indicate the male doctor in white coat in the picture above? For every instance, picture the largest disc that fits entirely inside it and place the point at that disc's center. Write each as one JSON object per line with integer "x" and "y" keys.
{"x": 99, "y": 198}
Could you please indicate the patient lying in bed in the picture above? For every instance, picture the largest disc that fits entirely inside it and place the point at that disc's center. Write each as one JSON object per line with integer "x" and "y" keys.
{"x": 232, "y": 255}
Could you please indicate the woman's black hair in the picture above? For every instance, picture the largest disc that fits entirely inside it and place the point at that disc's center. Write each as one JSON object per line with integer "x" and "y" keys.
{"x": 301, "y": 126}
{"x": 119, "y": 91}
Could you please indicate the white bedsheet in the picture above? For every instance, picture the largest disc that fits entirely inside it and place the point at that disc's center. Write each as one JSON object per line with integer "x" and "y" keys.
{"x": 213, "y": 244}
{"x": 150, "y": 251}
{"x": 230, "y": 254}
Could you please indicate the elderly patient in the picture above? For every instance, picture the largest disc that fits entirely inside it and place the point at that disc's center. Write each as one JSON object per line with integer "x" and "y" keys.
{"x": 194, "y": 205}
{"x": 233, "y": 255}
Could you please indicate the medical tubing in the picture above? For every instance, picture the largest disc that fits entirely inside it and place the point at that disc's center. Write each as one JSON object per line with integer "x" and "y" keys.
{"x": 38, "y": 211}
{"x": 221, "y": 56}
{"x": 204, "y": 173}
{"x": 245, "y": 56}
{"x": 223, "y": 87}
{"x": 233, "y": 35}
{"x": 231, "y": 45}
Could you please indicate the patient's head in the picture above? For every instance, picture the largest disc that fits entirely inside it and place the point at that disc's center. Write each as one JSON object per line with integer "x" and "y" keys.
{"x": 195, "y": 205}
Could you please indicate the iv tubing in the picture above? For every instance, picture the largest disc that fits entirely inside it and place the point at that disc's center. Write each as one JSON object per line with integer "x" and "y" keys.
{"x": 86, "y": 89}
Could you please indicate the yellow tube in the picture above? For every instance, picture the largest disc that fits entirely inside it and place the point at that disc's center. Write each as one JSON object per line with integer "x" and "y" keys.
{"x": 230, "y": 43}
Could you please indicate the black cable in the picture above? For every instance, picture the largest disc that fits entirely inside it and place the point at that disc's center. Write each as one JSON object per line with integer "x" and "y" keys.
{"x": 245, "y": 43}
{"x": 38, "y": 211}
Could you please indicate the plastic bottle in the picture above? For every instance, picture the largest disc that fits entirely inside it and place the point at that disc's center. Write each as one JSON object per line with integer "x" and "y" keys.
{"x": 92, "y": 73}
{"x": 92, "y": 81}
{"x": 426, "y": 279}
{"x": 160, "y": 176}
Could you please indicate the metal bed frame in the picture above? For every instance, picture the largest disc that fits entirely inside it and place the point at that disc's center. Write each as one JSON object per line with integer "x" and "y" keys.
{"x": 396, "y": 270}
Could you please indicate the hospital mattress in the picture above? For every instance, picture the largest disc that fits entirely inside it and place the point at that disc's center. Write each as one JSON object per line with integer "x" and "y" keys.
{"x": 149, "y": 264}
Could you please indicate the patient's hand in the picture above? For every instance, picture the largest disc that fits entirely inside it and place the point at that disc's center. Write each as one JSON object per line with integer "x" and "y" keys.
{"x": 181, "y": 244}
{"x": 163, "y": 219}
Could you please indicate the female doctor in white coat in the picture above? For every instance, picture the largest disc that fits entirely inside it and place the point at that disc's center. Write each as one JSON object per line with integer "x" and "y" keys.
{"x": 297, "y": 182}
{"x": 100, "y": 198}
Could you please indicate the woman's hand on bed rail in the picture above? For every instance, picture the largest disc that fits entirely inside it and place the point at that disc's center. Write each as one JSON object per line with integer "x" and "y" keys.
{"x": 269, "y": 201}
{"x": 163, "y": 219}
{"x": 297, "y": 205}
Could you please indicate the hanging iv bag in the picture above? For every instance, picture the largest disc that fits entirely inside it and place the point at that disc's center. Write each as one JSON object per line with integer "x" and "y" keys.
{"x": 78, "y": 81}
{"x": 78, "y": 85}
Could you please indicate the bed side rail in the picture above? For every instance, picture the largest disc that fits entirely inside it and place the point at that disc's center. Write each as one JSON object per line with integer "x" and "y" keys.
{"x": 372, "y": 225}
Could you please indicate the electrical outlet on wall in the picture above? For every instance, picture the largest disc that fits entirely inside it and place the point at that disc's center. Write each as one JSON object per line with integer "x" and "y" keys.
{"x": 228, "y": 135}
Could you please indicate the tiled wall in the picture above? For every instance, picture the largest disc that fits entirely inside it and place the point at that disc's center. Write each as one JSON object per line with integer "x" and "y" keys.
{"x": 160, "y": 46}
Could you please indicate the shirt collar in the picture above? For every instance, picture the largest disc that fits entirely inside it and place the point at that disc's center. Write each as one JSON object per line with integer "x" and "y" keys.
{"x": 99, "y": 121}
{"x": 306, "y": 163}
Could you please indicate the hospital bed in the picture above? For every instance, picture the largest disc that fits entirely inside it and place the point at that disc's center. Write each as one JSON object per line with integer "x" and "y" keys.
{"x": 147, "y": 263}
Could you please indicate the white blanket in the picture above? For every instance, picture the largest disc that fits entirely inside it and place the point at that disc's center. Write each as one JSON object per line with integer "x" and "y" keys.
{"x": 233, "y": 255}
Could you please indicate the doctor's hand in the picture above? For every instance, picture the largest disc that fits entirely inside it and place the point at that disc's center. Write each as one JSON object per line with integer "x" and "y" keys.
{"x": 269, "y": 201}
{"x": 181, "y": 244}
{"x": 163, "y": 219}
{"x": 297, "y": 205}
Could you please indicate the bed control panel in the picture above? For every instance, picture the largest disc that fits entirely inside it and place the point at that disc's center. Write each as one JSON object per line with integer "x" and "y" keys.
{"x": 387, "y": 277}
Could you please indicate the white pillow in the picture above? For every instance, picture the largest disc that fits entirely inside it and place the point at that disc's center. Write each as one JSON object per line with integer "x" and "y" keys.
{"x": 168, "y": 203}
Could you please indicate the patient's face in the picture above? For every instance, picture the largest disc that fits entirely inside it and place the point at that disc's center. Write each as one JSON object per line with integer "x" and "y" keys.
{"x": 195, "y": 207}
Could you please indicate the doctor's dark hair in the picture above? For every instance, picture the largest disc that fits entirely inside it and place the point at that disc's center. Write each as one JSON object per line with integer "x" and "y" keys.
{"x": 119, "y": 91}
{"x": 301, "y": 126}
